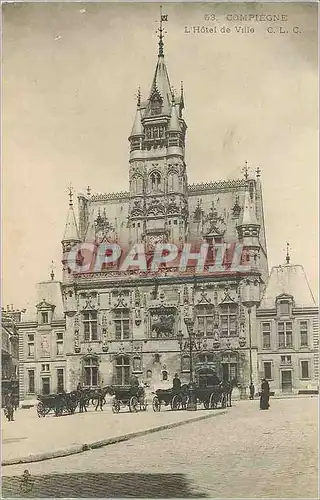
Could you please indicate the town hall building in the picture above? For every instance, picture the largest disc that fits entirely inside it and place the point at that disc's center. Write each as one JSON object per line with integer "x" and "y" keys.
{"x": 100, "y": 326}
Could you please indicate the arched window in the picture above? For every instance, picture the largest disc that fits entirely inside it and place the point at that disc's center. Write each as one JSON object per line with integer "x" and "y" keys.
{"x": 172, "y": 181}
{"x": 228, "y": 319}
{"x": 122, "y": 370}
{"x": 164, "y": 375}
{"x": 205, "y": 319}
{"x": 136, "y": 184}
{"x": 90, "y": 366}
{"x": 90, "y": 325}
{"x": 121, "y": 324}
{"x": 149, "y": 374}
{"x": 155, "y": 179}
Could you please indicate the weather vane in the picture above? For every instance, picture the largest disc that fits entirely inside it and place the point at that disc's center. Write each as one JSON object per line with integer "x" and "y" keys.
{"x": 245, "y": 170}
{"x": 52, "y": 267}
{"x": 161, "y": 31}
{"x": 288, "y": 254}
{"x": 70, "y": 192}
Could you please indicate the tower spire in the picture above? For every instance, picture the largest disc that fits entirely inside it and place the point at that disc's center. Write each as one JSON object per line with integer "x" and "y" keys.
{"x": 71, "y": 230}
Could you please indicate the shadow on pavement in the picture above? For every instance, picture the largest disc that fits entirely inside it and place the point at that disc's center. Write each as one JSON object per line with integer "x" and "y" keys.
{"x": 86, "y": 485}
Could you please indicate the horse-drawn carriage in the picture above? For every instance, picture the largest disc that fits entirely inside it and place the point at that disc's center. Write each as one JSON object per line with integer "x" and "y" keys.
{"x": 62, "y": 403}
{"x": 128, "y": 396}
{"x": 210, "y": 396}
{"x": 169, "y": 397}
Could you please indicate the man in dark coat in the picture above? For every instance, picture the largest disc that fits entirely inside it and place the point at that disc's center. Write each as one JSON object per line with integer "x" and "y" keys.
{"x": 9, "y": 407}
{"x": 82, "y": 400}
{"x": 176, "y": 383}
{"x": 265, "y": 395}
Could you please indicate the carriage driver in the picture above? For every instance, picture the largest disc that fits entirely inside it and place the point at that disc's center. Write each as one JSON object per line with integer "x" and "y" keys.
{"x": 176, "y": 383}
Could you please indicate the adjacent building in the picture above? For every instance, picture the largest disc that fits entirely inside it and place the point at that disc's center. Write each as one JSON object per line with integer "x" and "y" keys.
{"x": 288, "y": 330}
{"x": 42, "y": 356}
{"x": 9, "y": 351}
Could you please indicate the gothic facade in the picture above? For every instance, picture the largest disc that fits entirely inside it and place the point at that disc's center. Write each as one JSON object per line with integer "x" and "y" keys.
{"x": 103, "y": 324}
{"x": 120, "y": 322}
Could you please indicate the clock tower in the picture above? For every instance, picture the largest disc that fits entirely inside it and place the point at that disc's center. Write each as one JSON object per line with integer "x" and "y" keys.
{"x": 158, "y": 209}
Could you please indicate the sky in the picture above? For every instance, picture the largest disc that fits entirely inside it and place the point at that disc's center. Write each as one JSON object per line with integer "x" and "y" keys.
{"x": 70, "y": 76}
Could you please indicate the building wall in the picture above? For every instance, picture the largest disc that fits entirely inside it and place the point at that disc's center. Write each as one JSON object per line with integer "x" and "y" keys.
{"x": 155, "y": 316}
{"x": 278, "y": 356}
{"x": 43, "y": 354}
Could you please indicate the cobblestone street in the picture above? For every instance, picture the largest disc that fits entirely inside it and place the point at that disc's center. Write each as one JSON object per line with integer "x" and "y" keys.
{"x": 245, "y": 453}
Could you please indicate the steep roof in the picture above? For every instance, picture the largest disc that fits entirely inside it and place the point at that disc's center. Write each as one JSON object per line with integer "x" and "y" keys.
{"x": 174, "y": 125}
{"x": 137, "y": 128}
{"x": 249, "y": 215}
{"x": 290, "y": 280}
{"x": 71, "y": 232}
{"x": 161, "y": 85}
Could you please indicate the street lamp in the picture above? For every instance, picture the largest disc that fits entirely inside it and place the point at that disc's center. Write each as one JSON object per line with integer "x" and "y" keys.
{"x": 193, "y": 343}
{"x": 250, "y": 299}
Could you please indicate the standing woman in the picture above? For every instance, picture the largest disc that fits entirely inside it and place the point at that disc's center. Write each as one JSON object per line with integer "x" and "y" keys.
{"x": 265, "y": 395}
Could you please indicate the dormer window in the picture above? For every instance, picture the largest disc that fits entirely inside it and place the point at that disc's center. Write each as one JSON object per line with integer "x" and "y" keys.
{"x": 284, "y": 308}
{"x": 45, "y": 318}
{"x": 45, "y": 312}
{"x": 156, "y": 105}
{"x": 284, "y": 305}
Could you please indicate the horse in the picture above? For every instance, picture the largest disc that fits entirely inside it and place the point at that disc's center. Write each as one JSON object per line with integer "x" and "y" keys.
{"x": 100, "y": 396}
{"x": 227, "y": 388}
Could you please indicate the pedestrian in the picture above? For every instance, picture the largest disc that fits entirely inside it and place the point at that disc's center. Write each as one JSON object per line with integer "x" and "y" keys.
{"x": 251, "y": 389}
{"x": 100, "y": 400}
{"x": 82, "y": 401}
{"x": 264, "y": 395}
{"x": 9, "y": 407}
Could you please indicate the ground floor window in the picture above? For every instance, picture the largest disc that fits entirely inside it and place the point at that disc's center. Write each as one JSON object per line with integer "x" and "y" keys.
{"x": 229, "y": 371}
{"x": 31, "y": 385}
{"x": 305, "y": 369}
{"x": 45, "y": 385}
{"x": 122, "y": 370}
{"x": 60, "y": 380}
{"x": 267, "y": 367}
{"x": 91, "y": 372}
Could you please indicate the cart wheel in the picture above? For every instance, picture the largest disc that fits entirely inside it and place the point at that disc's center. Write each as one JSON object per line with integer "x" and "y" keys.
{"x": 212, "y": 402}
{"x": 176, "y": 402}
{"x": 41, "y": 410}
{"x": 133, "y": 404}
{"x": 206, "y": 405}
{"x": 115, "y": 406}
{"x": 156, "y": 404}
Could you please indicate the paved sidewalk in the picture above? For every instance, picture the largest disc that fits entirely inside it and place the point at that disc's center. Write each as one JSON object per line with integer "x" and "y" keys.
{"x": 30, "y": 439}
